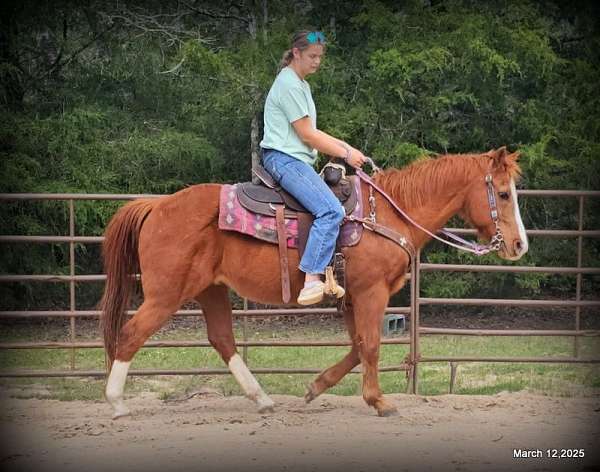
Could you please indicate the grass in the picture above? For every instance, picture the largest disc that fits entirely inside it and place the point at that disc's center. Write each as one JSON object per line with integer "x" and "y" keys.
{"x": 472, "y": 378}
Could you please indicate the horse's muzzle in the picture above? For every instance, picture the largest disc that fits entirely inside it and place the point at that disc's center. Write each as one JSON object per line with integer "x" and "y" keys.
{"x": 514, "y": 251}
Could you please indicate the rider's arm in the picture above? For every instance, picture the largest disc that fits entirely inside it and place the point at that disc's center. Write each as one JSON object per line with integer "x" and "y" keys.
{"x": 326, "y": 143}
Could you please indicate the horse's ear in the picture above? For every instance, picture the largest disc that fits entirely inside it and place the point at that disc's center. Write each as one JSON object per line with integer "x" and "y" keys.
{"x": 497, "y": 153}
{"x": 498, "y": 158}
{"x": 512, "y": 165}
{"x": 503, "y": 161}
{"x": 514, "y": 157}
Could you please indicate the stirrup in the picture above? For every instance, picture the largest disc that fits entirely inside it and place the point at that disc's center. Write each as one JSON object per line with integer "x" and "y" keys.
{"x": 331, "y": 286}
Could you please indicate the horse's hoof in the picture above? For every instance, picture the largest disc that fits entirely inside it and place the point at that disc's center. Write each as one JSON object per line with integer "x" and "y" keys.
{"x": 120, "y": 414}
{"x": 387, "y": 411}
{"x": 266, "y": 406}
{"x": 310, "y": 394}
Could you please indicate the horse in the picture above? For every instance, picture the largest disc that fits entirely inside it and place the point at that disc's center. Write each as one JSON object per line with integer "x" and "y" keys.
{"x": 175, "y": 243}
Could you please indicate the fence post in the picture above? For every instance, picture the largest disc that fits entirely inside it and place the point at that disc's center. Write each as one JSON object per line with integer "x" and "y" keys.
{"x": 579, "y": 276}
{"x": 245, "y": 332}
{"x": 414, "y": 323}
{"x": 453, "y": 368}
{"x": 73, "y": 305}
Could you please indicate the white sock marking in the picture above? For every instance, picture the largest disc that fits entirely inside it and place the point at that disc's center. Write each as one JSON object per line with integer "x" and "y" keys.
{"x": 248, "y": 382}
{"x": 115, "y": 387}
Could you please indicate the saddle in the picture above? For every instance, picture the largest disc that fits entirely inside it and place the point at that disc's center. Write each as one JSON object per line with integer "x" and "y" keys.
{"x": 269, "y": 199}
{"x": 263, "y": 198}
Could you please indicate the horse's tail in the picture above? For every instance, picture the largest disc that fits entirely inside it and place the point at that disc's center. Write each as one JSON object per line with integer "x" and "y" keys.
{"x": 121, "y": 262}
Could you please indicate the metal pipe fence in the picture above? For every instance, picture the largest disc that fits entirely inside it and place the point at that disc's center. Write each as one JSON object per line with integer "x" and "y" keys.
{"x": 414, "y": 358}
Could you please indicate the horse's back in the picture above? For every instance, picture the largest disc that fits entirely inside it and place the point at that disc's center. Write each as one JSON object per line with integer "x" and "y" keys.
{"x": 181, "y": 215}
{"x": 197, "y": 201}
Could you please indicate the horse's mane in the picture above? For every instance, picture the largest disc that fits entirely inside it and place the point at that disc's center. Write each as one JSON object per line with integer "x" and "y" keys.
{"x": 433, "y": 175}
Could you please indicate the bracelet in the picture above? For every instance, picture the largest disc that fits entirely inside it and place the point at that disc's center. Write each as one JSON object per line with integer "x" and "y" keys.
{"x": 348, "y": 153}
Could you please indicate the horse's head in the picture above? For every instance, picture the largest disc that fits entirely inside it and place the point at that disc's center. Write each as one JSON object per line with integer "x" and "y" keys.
{"x": 501, "y": 191}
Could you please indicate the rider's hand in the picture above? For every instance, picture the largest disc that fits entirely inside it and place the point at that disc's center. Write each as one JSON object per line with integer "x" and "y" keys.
{"x": 356, "y": 158}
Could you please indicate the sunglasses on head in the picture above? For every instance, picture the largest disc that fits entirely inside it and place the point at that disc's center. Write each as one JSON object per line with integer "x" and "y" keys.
{"x": 315, "y": 37}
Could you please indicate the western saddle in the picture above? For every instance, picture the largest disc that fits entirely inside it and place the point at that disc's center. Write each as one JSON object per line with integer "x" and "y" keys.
{"x": 268, "y": 198}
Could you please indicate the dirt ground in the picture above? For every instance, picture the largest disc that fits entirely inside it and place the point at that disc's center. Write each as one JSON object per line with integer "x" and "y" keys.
{"x": 207, "y": 432}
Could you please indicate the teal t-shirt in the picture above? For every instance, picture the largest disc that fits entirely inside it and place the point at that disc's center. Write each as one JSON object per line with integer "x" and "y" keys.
{"x": 288, "y": 100}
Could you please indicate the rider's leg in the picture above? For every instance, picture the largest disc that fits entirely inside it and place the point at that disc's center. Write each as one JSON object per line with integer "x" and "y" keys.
{"x": 301, "y": 180}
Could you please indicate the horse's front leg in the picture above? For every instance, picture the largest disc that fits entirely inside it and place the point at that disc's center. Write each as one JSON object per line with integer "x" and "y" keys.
{"x": 331, "y": 376}
{"x": 369, "y": 308}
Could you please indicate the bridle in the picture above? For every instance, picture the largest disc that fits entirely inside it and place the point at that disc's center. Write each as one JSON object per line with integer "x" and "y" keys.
{"x": 462, "y": 244}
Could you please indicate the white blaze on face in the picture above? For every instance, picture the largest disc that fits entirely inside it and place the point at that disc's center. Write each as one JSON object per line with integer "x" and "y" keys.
{"x": 518, "y": 220}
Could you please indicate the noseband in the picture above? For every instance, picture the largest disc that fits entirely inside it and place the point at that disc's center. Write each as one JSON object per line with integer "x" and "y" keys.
{"x": 462, "y": 244}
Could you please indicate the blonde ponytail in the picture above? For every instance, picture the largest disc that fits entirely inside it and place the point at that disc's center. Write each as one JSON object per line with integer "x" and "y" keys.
{"x": 286, "y": 59}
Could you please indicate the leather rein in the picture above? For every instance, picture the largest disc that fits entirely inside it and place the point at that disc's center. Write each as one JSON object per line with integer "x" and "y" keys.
{"x": 462, "y": 244}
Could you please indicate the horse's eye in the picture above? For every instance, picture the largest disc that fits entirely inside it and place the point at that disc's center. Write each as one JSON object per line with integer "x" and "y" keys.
{"x": 504, "y": 195}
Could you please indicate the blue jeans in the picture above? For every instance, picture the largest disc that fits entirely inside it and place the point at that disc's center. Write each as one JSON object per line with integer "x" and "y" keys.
{"x": 301, "y": 181}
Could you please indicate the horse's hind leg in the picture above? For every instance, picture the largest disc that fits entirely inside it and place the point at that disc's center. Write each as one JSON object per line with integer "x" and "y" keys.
{"x": 331, "y": 376}
{"x": 149, "y": 318}
{"x": 219, "y": 326}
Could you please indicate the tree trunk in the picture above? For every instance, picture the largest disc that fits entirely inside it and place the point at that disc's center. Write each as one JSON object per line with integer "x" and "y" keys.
{"x": 13, "y": 93}
{"x": 254, "y": 140}
{"x": 265, "y": 19}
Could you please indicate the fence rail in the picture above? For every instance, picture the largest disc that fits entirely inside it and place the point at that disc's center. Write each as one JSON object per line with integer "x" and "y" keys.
{"x": 416, "y": 330}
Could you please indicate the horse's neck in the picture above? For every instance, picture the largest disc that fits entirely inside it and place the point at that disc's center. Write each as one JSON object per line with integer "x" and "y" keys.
{"x": 429, "y": 204}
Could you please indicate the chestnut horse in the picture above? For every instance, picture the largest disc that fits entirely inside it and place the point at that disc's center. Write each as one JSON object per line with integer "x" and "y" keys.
{"x": 175, "y": 243}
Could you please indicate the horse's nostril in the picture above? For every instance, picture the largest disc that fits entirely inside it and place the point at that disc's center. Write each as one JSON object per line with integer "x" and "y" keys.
{"x": 518, "y": 246}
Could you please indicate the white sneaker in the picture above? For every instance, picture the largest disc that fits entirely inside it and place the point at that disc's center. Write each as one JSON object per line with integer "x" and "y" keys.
{"x": 312, "y": 294}
{"x": 315, "y": 293}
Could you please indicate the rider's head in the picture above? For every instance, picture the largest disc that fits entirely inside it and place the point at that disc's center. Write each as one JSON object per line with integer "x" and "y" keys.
{"x": 306, "y": 52}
